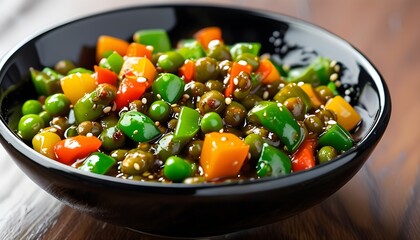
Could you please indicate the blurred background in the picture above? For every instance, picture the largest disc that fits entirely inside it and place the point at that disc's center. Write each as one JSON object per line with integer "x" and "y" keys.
{"x": 386, "y": 31}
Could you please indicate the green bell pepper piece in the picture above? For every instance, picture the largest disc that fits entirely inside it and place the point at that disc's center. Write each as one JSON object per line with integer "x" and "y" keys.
{"x": 91, "y": 106}
{"x": 188, "y": 124}
{"x": 273, "y": 162}
{"x": 293, "y": 90}
{"x": 337, "y": 137}
{"x": 158, "y": 38}
{"x": 191, "y": 49}
{"x": 46, "y": 82}
{"x": 97, "y": 162}
{"x": 317, "y": 73}
{"x": 138, "y": 126}
{"x": 79, "y": 70}
{"x": 169, "y": 86}
{"x": 246, "y": 47}
{"x": 278, "y": 119}
{"x": 115, "y": 62}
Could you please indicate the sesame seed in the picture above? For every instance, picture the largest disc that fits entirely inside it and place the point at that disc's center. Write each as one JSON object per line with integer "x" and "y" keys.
{"x": 347, "y": 98}
{"x": 337, "y": 83}
{"x": 249, "y": 155}
{"x": 89, "y": 134}
{"x": 223, "y": 139}
{"x": 266, "y": 94}
{"x": 225, "y": 81}
{"x": 144, "y": 100}
{"x": 300, "y": 84}
{"x": 136, "y": 166}
{"x": 228, "y": 100}
{"x": 242, "y": 62}
{"x": 276, "y": 34}
{"x": 141, "y": 79}
{"x": 158, "y": 96}
{"x": 114, "y": 106}
{"x": 186, "y": 96}
{"x": 135, "y": 132}
{"x": 235, "y": 163}
{"x": 235, "y": 81}
{"x": 94, "y": 106}
{"x": 347, "y": 92}
{"x": 333, "y": 63}
{"x": 333, "y": 77}
{"x": 150, "y": 176}
{"x": 337, "y": 68}
{"x": 286, "y": 67}
{"x": 150, "y": 48}
{"x": 221, "y": 130}
{"x": 107, "y": 109}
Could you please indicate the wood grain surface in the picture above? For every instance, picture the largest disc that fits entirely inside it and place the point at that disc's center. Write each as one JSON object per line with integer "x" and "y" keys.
{"x": 381, "y": 202}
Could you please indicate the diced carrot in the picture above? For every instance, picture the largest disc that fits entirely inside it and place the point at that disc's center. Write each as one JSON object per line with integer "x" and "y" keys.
{"x": 268, "y": 72}
{"x": 304, "y": 157}
{"x": 186, "y": 71}
{"x": 309, "y": 90}
{"x": 205, "y": 35}
{"x": 237, "y": 67}
{"x": 138, "y": 50}
{"x": 346, "y": 114}
{"x": 108, "y": 43}
{"x": 222, "y": 155}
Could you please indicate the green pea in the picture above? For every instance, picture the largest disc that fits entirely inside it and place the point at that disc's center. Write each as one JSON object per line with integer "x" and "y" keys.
{"x": 326, "y": 153}
{"x": 314, "y": 124}
{"x": 177, "y": 169}
{"x": 211, "y": 101}
{"x": 112, "y": 138}
{"x": 194, "y": 150}
{"x": 255, "y": 143}
{"x": 64, "y": 66}
{"x": 45, "y": 116}
{"x": 170, "y": 61}
{"x": 159, "y": 111}
{"x": 29, "y": 125}
{"x": 71, "y": 132}
{"x": 234, "y": 114}
{"x": 136, "y": 162}
{"x": 31, "y": 106}
{"x": 57, "y": 104}
{"x": 211, "y": 122}
{"x": 205, "y": 69}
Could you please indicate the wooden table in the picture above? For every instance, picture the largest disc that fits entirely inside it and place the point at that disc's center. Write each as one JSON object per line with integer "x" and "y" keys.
{"x": 381, "y": 202}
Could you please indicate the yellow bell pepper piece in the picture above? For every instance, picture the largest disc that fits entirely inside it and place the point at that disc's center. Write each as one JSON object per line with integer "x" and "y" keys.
{"x": 347, "y": 116}
{"x": 76, "y": 85}
{"x": 222, "y": 155}
{"x": 309, "y": 90}
{"x": 44, "y": 142}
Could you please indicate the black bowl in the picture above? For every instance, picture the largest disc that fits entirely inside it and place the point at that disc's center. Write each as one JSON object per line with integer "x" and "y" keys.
{"x": 203, "y": 209}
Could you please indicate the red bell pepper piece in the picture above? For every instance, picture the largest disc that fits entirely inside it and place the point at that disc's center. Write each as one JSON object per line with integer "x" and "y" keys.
{"x": 304, "y": 157}
{"x": 71, "y": 149}
{"x": 237, "y": 67}
{"x": 186, "y": 71}
{"x": 138, "y": 50}
{"x": 104, "y": 75}
{"x": 131, "y": 88}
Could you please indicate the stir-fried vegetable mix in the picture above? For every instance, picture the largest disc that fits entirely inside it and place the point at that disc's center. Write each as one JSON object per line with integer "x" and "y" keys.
{"x": 205, "y": 111}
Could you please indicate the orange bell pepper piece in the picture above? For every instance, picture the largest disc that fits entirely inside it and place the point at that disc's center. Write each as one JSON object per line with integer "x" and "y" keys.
{"x": 222, "y": 155}
{"x": 140, "y": 67}
{"x": 237, "y": 67}
{"x": 186, "y": 71}
{"x": 76, "y": 85}
{"x": 104, "y": 75}
{"x": 69, "y": 150}
{"x": 268, "y": 72}
{"x": 205, "y": 35}
{"x": 347, "y": 116}
{"x": 304, "y": 157}
{"x": 309, "y": 90}
{"x": 109, "y": 43}
{"x": 138, "y": 50}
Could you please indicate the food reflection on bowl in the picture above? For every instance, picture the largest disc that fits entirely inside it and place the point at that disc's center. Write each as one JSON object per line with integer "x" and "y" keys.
{"x": 178, "y": 209}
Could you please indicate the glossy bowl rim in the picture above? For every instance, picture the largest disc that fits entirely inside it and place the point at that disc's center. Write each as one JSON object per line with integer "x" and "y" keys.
{"x": 372, "y": 137}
